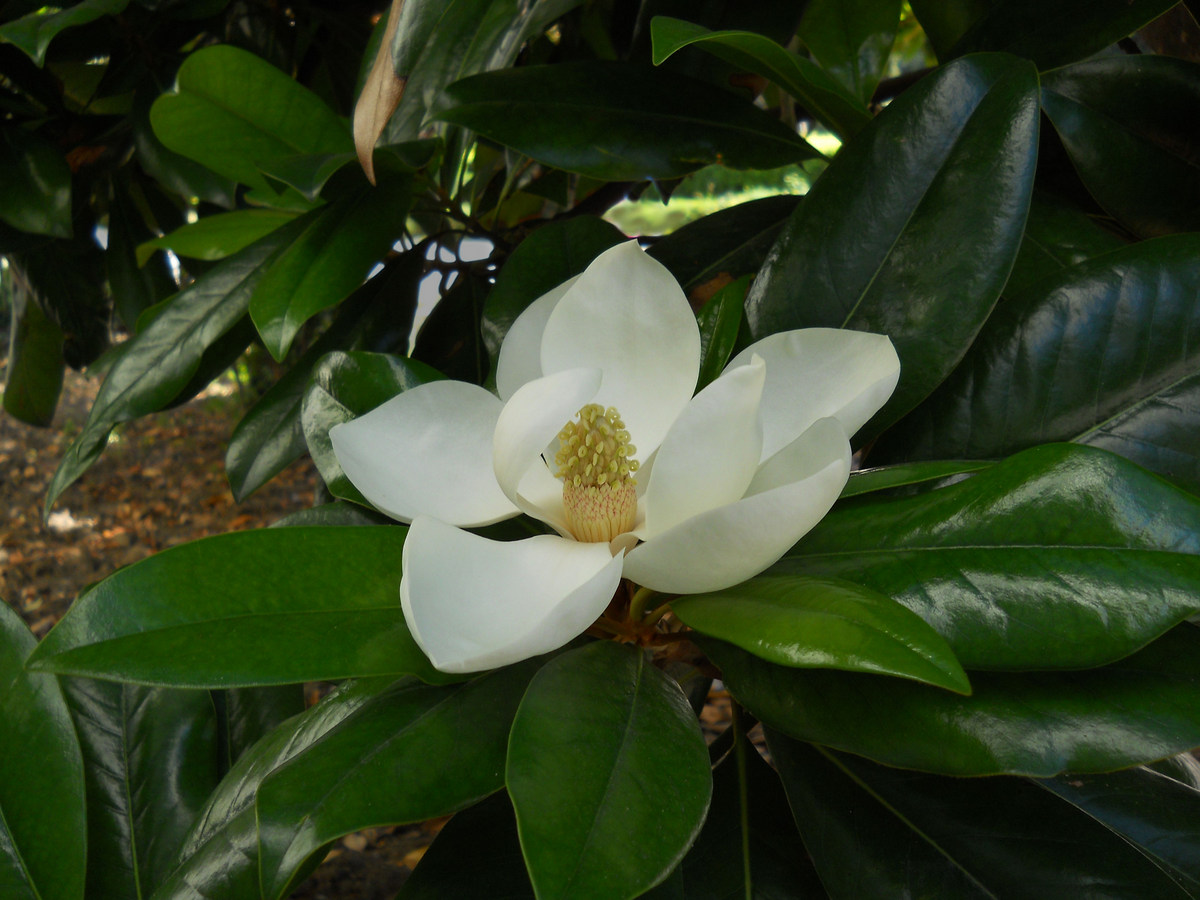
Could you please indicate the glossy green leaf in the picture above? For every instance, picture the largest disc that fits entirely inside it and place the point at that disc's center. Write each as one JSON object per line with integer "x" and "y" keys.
{"x": 817, "y": 90}
{"x": 945, "y": 21}
{"x": 244, "y": 715}
{"x": 137, "y": 281}
{"x": 43, "y": 830}
{"x": 219, "y": 857}
{"x": 174, "y": 171}
{"x": 478, "y": 846}
{"x": 619, "y": 122}
{"x": 34, "y": 375}
{"x": 732, "y": 241}
{"x": 1142, "y": 708}
{"x": 608, "y": 773}
{"x": 33, "y": 32}
{"x": 149, "y": 764}
{"x": 307, "y": 173}
{"x": 450, "y": 340}
{"x": 159, "y": 361}
{"x": 548, "y": 257}
{"x": 824, "y": 623}
{"x": 1104, "y": 353}
{"x": 851, "y": 39}
{"x": 330, "y": 257}
{"x": 270, "y": 436}
{"x": 878, "y": 832}
{"x": 882, "y": 478}
{"x": 1129, "y": 123}
{"x": 1059, "y": 557}
{"x": 1054, "y": 35}
{"x": 195, "y": 615}
{"x": 217, "y": 236}
{"x": 719, "y": 320}
{"x": 343, "y": 387}
{"x": 1057, "y": 236}
{"x": 401, "y": 757}
{"x": 440, "y": 41}
{"x": 35, "y": 184}
{"x": 232, "y": 110}
{"x": 889, "y": 240}
{"x": 725, "y": 863}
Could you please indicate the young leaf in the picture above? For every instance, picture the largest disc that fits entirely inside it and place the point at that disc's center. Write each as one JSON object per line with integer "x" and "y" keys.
{"x": 199, "y": 615}
{"x": 888, "y": 241}
{"x": 608, "y": 774}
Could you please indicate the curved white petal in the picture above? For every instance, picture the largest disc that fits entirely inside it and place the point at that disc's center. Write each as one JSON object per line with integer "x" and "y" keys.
{"x": 627, "y": 316}
{"x": 727, "y": 545}
{"x": 710, "y": 454}
{"x": 520, "y": 359}
{"x": 818, "y": 372}
{"x": 529, "y": 422}
{"x": 427, "y": 451}
{"x": 474, "y": 604}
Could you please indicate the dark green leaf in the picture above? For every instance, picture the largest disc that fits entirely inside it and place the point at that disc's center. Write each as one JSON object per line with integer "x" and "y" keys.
{"x": 719, "y": 321}
{"x": 1106, "y": 352}
{"x": 732, "y": 241}
{"x": 401, "y": 757}
{"x": 34, "y": 377}
{"x": 890, "y": 240}
{"x": 35, "y": 184}
{"x": 343, "y": 387}
{"x": 449, "y": 340}
{"x": 1142, "y": 708}
{"x": 330, "y": 258}
{"x": 158, "y": 362}
{"x": 818, "y": 91}
{"x": 1057, "y": 236}
{"x": 137, "y": 280}
{"x": 1059, "y": 557}
{"x": 43, "y": 830}
{"x": 544, "y": 260}
{"x": 945, "y": 21}
{"x": 231, "y": 111}
{"x": 34, "y": 32}
{"x": 878, "y": 832}
{"x": 478, "y": 846}
{"x": 775, "y": 865}
{"x": 150, "y": 762}
{"x": 270, "y": 436}
{"x": 825, "y": 623}
{"x": 851, "y": 39}
{"x": 1130, "y": 126}
{"x": 1054, "y": 35}
{"x": 173, "y": 171}
{"x": 619, "y": 122}
{"x": 608, "y": 774}
{"x": 219, "y": 858}
{"x": 246, "y": 714}
{"x": 196, "y": 615}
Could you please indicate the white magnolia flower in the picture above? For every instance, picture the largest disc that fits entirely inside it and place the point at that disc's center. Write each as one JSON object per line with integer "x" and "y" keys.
{"x": 594, "y": 377}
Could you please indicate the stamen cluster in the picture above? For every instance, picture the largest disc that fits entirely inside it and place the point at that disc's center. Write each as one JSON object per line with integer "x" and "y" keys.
{"x": 596, "y": 465}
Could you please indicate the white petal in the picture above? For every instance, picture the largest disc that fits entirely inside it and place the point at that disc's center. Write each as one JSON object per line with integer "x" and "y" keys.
{"x": 474, "y": 604}
{"x": 627, "y": 316}
{"x": 818, "y": 372}
{"x": 530, "y": 420}
{"x": 427, "y": 452}
{"x": 727, "y": 545}
{"x": 520, "y": 353}
{"x": 710, "y": 454}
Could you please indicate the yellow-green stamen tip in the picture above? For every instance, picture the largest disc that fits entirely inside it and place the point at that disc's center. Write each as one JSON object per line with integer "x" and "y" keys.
{"x": 595, "y": 461}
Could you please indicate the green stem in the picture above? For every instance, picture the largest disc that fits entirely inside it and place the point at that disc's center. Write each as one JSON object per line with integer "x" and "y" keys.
{"x": 637, "y": 605}
{"x": 739, "y": 750}
{"x": 655, "y": 614}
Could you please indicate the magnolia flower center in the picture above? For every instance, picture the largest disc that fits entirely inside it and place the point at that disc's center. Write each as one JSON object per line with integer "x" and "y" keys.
{"x": 595, "y": 462}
